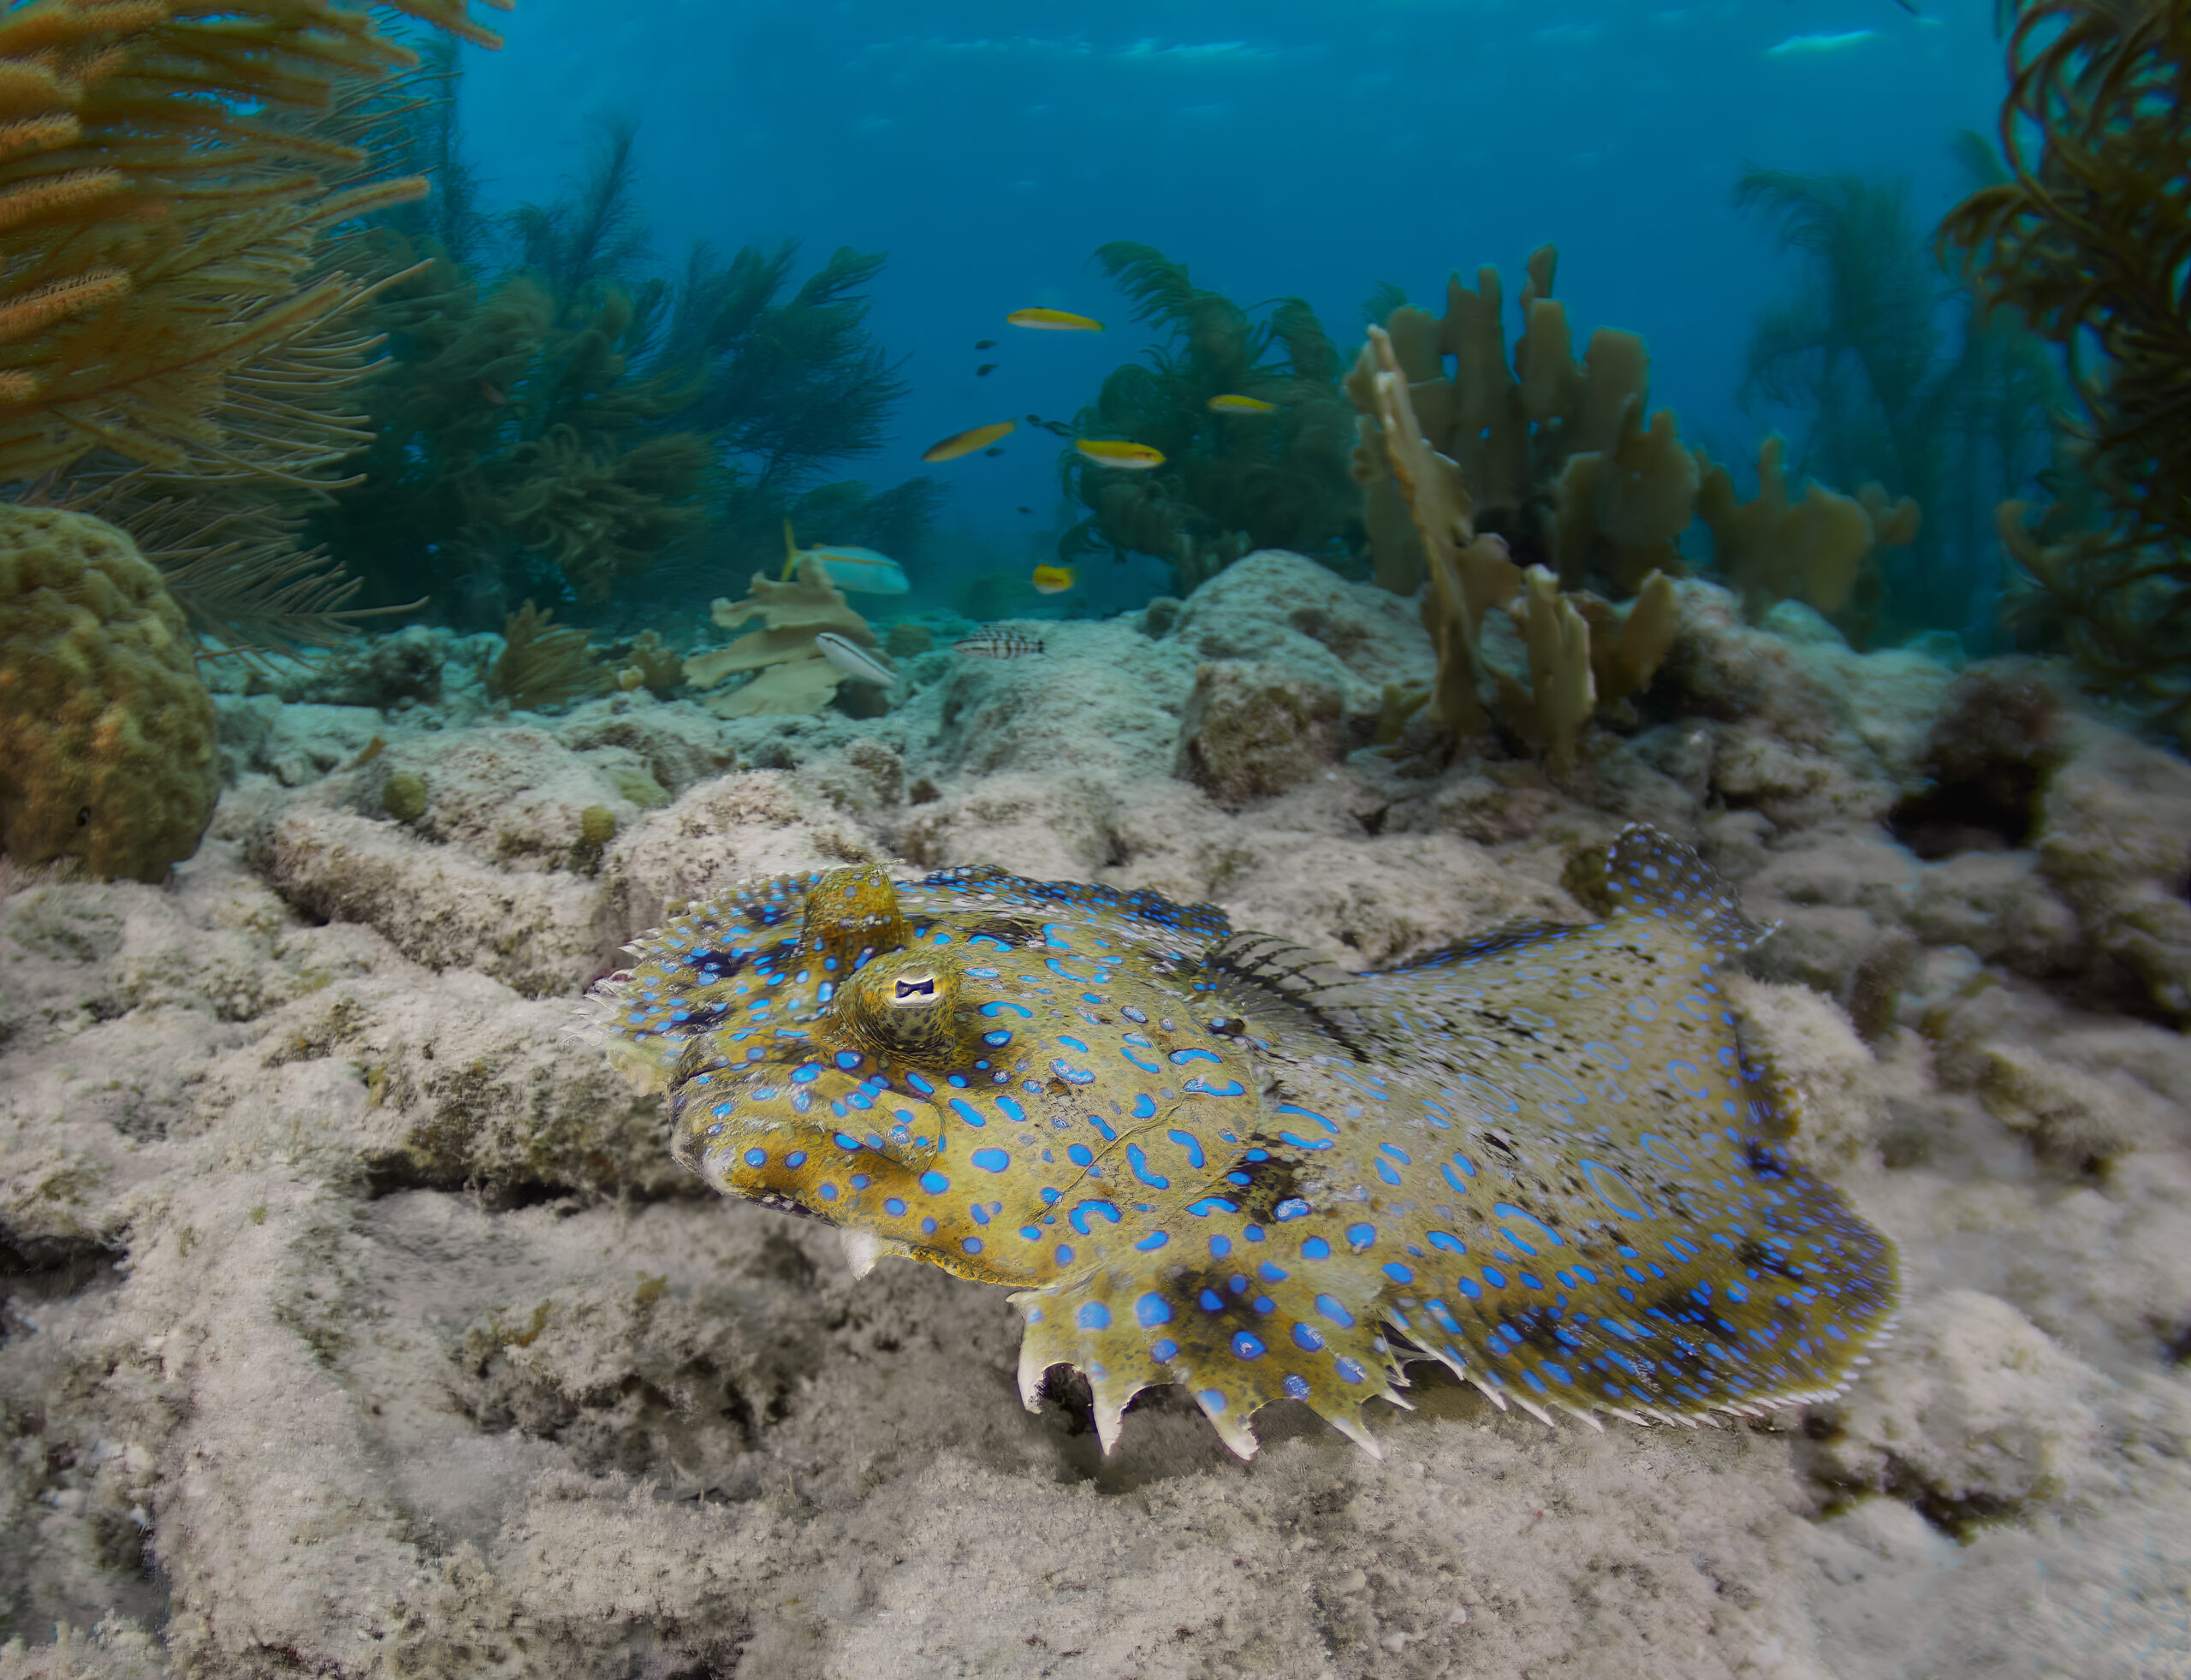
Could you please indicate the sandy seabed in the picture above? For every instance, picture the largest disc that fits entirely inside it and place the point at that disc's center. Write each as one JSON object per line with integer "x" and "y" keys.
{"x": 358, "y": 1322}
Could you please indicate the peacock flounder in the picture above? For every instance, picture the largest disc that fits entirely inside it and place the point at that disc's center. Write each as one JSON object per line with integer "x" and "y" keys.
{"x": 1543, "y": 1158}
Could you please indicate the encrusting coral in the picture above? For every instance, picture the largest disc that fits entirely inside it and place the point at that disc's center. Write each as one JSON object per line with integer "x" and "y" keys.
{"x": 1232, "y": 481}
{"x": 2086, "y": 241}
{"x": 106, "y": 733}
{"x": 792, "y": 676}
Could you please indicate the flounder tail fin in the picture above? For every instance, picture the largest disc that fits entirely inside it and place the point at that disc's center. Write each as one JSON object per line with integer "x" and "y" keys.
{"x": 1236, "y": 1333}
{"x": 1651, "y": 873}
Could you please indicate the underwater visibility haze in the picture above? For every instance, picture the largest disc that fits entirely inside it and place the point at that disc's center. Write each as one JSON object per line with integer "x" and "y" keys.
{"x": 1159, "y": 841}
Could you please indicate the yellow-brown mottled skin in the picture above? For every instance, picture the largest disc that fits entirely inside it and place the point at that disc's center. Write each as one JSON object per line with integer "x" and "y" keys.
{"x": 1544, "y": 1158}
{"x": 106, "y": 733}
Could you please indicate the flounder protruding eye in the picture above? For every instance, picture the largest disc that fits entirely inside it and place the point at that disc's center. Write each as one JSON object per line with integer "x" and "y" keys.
{"x": 851, "y": 914}
{"x": 910, "y": 1004}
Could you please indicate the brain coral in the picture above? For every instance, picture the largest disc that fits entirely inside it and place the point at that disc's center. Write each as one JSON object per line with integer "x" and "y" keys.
{"x": 106, "y": 734}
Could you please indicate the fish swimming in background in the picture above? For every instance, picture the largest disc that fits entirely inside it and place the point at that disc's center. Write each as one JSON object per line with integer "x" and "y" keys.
{"x": 1233, "y": 403}
{"x": 1053, "y": 320}
{"x": 854, "y": 661}
{"x": 1118, "y": 452}
{"x": 998, "y": 644}
{"x": 992, "y": 451}
{"x": 1057, "y": 428}
{"x": 1546, "y": 1158}
{"x": 1026, "y": 510}
{"x": 492, "y": 394}
{"x": 857, "y": 571}
{"x": 985, "y": 369}
{"x": 1809, "y": 46}
{"x": 1055, "y": 579}
{"x": 966, "y": 442}
{"x": 985, "y": 344}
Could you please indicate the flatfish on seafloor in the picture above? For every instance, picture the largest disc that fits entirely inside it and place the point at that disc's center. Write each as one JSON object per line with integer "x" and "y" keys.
{"x": 1544, "y": 1158}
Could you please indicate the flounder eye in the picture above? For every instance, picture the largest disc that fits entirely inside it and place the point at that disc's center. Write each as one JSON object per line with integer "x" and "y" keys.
{"x": 913, "y": 991}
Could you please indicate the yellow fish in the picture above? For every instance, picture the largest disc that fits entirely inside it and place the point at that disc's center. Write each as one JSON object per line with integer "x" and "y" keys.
{"x": 1233, "y": 403}
{"x": 1117, "y": 452}
{"x": 1055, "y": 579}
{"x": 1053, "y": 320}
{"x": 966, "y": 442}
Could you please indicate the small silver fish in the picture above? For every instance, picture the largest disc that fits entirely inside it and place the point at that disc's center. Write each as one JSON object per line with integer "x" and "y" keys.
{"x": 997, "y": 644}
{"x": 854, "y": 661}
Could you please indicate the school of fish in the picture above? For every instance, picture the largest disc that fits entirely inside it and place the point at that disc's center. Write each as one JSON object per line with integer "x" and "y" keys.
{"x": 1547, "y": 1159}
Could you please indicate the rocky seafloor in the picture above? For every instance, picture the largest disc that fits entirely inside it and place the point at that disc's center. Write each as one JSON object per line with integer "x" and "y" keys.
{"x": 357, "y": 1322}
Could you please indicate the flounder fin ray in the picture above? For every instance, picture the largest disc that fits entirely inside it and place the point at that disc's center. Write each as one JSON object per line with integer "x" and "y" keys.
{"x": 1651, "y": 873}
{"x": 1237, "y": 1333}
{"x": 1507, "y": 936}
{"x": 686, "y": 978}
{"x": 1281, "y": 986}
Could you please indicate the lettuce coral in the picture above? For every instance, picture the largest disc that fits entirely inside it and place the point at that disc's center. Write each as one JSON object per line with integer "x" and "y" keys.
{"x": 106, "y": 733}
{"x": 790, "y": 675}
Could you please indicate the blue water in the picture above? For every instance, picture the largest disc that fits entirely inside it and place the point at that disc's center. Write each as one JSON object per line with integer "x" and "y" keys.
{"x": 1282, "y": 147}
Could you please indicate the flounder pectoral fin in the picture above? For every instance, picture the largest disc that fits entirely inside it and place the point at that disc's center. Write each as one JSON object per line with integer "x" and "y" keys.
{"x": 1237, "y": 1332}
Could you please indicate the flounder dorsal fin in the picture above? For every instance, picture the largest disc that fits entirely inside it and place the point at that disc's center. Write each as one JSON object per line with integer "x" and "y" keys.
{"x": 1282, "y": 990}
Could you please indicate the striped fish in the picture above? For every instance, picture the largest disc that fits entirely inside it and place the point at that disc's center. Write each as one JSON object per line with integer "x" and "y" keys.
{"x": 997, "y": 644}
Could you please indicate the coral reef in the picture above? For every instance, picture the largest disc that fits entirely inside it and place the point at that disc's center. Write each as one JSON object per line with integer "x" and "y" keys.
{"x": 347, "y": 1293}
{"x": 181, "y": 291}
{"x": 106, "y": 733}
{"x": 1230, "y": 483}
{"x": 2085, "y": 242}
{"x": 652, "y": 665}
{"x": 790, "y": 675}
{"x": 1813, "y": 550}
